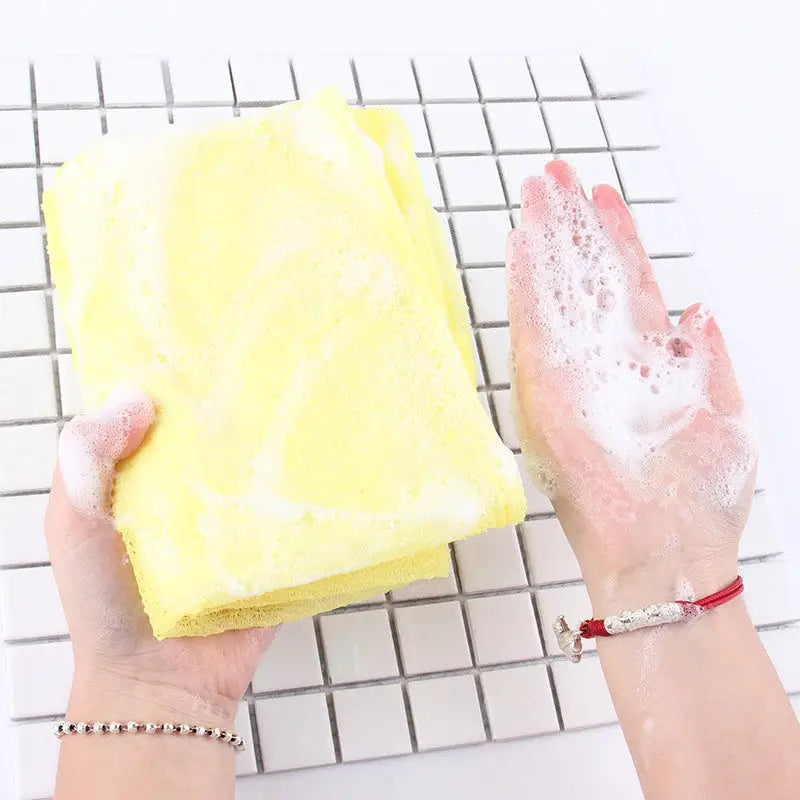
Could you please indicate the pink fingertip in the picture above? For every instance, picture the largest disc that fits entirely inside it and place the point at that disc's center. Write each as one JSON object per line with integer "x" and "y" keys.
{"x": 564, "y": 173}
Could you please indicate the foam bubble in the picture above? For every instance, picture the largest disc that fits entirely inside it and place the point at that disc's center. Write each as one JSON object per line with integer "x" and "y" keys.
{"x": 91, "y": 444}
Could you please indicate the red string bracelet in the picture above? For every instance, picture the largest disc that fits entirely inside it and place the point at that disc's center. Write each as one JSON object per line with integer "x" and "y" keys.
{"x": 626, "y": 621}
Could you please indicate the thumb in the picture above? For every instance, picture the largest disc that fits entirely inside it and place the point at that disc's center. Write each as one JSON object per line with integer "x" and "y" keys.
{"x": 88, "y": 451}
{"x": 723, "y": 388}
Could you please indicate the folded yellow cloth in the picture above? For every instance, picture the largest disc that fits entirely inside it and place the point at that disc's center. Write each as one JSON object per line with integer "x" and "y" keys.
{"x": 280, "y": 286}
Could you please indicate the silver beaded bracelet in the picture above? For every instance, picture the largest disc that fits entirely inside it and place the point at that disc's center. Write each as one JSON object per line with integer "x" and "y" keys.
{"x": 70, "y": 728}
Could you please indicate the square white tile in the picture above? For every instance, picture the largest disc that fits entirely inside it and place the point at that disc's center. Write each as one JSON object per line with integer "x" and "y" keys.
{"x": 294, "y": 732}
{"x": 479, "y": 377}
{"x": 491, "y": 560}
{"x": 503, "y": 628}
{"x": 63, "y": 134}
{"x": 680, "y": 280}
{"x": 36, "y": 752}
{"x": 646, "y": 175}
{"x": 573, "y": 603}
{"x": 574, "y": 125}
{"x": 517, "y": 126}
{"x": 519, "y": 701}
{"x": 15, "y": 83}
{"x": 471, "y": 181}
{"x": 65, "y": 79}
{"x": 415, "y": 122}
{"x": 41, "y": 677}
{"x": 315, "y": 72}
{"x": 22, "y": 529}
{"x": 505, "y": 418}
{"x": 21, "y": 257}
{"x": 246, "y": 760}
{"x": 371, "y": 722}
{"x": 200, "y": 79}
{"x": 583, "y": 693}
{"x": 23, "y": 321}
{"x": 520, "y": 166}
{"x": 27, "y": 456}
{"x": 770, "y": 595}
{"x": 496, "y": 344}
{"x": 538, "y": 502}
{"x": 615, "y": 73}
{"x": 760, "y": 536}
{"x": 629, "y": 123}
{"x": 26, "y": 388}
{"x": 16, "y": 138}
{"x": 481, "y": 236}
{"x": 358, "y": 646}
{"x": 30, "y": 604}
{"x": 445, "y": 77}
{"x": 432, "y": 637}
{"x": 292, "y": 660}
{"x": 783, "y": 646}
{"x": 262, "y": 78}
{"x": 132, "y": 80}
{"x": 385, "y": 78}
{"x": 458, "y": 128}
{"x": 136, "y": 120}
{"x": 550, "y": 556}
{"x": 48, "y": 177}
{"x": 559, "y": 75}
{"x": 427, "y": 588}
{"x": 503, "y": 76}
{"x": 663, "y": 228}
{"x": 594, "y": 169}
{"x": 430, "y": 181}
{"x": 488, "y": 294}
{"x": 19, "y": 195}
{"x": 446, "y": 712}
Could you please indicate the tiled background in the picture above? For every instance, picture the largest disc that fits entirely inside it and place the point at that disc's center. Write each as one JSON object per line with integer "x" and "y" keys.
{"x": 449, "y": 662}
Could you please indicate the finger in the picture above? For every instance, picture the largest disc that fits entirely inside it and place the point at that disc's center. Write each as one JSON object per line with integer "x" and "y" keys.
{"x": 89, "y": 449}
{"x": 650, "y": 311}
{"x": 702, "y": 329}
{"x": 565, "y": 175}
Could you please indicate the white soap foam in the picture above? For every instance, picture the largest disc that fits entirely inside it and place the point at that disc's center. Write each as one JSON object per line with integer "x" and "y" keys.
{"x": 91, "y": 444}
{"x": 632, "y": 387}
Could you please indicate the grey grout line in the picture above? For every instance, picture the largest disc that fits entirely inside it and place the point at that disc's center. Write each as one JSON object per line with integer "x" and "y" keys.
{"x": 326, "y": 678}
{"x": 255, "y": 733}
{"x": 48, "y": 291}
{"x": 293, "y": 76}
{"x": 101, "y": 96}
{"x": 168, "y": 93}
{"x": 398, "y": 654}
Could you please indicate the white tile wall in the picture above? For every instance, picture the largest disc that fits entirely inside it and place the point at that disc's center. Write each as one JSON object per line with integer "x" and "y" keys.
{"x": 193, "y": 117}
{"x": 760, "y": 538}
{"x": 246, "y": 760}
{"x": 36, "y": 751}
{"x": 432, "y": 638}
{"x": 550, "y": 556}
{"x": 559, "y": 75}
{"x": 505, "y": 418}
{"x": 574, "y": 125}
{"x": 783, "y": 646}
{"x": 680, "y": 282}
{"x": 262, "y": 78}
{"x": 23, "y": 322}
{"x": 594, "y": 169}
{"x": 27, "y": 456}
{"x": 481, "y": 236}
{"x": 517, "y": 126}
{"x": 446, "y": 712}
{"x": 646, "y": 175}
{"x": 615, "y": 73}
{"x": 294, "y": 731}
{"x": 383, "y": 78}
{"x": 30, "y": 604}
{"x": 583, "y": 694}
{"x": 503, "y": 76}
{"x": 63, "y": 134}
{"x": 358, "y": 646}
{"x": 663, "y": 228}
{"x": 21, "y": 257}
{"x": 19, "y": 198}
{"x": 292, "y": 660}
{"x": 445, "y": 77}
{"x": 458, "y": 128}
{"x": 22, "y": 529}
{"x": 490, "y": 561}
{"x": 629, "y": 123}
{"x": 496, "y": 345}
{"x": 488, "y": 294}
{"x": 15, "y": 84}
{"x": 430, "y": 181}
{"x": 41, "y": 677}
{"x": 132, "y": 80}
{"x": 371, "y": 722}
{"x": 316, "y": 72}
{"x": 415, "y": 121}
{"x": 136, "y": 120}
{"x": 472, "y": 181}
{"x": 200, "y": 79}
{"x": 65, "y": 79}
{"x": 16, "y": 138}
{"x": 519, "y": 166}
{"x": 503, "y": 628}
{"x": 26, "y": 388}
{"x": 519, "y": 701}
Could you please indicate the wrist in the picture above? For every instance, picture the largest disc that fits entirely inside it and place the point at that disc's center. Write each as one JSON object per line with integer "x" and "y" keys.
{"x": 102, "y": 695}
{"x": 657, "y": 580}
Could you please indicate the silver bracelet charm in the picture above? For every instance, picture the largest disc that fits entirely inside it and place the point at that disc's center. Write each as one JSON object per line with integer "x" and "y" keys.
{"x": 179, "y": 729}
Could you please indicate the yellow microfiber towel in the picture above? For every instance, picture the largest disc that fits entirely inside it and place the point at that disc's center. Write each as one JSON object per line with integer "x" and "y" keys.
{"x": 280, "y": 286}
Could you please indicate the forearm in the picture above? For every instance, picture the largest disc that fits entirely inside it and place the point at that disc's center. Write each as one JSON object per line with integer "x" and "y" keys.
{"x": 143, "y": 765}
{"x": 701, "y": 705}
